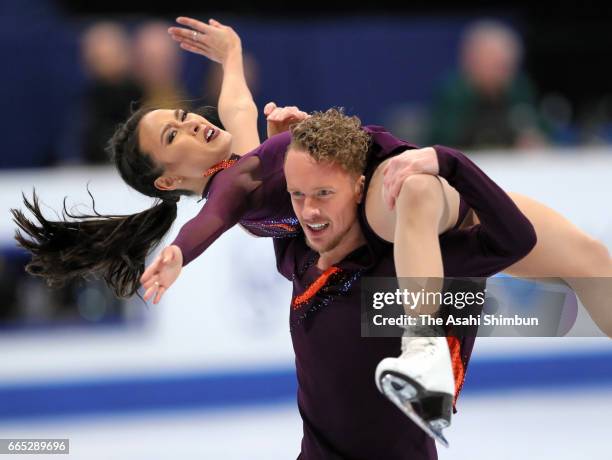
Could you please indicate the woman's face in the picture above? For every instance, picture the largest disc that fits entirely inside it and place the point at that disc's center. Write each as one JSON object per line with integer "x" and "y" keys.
{"x": 183, "y": 143}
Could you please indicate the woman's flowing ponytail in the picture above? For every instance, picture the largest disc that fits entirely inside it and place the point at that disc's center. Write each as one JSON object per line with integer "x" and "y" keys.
{"x": 110, "y": 247}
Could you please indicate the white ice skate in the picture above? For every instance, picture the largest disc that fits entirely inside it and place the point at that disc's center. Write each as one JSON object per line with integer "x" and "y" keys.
{"x": 420, "y": 383}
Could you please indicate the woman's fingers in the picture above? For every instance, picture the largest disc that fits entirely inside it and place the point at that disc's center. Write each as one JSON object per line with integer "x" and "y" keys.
{"x": 275, "y": 114}
{"x": 198, "y": 49}
{"x": 386, "y": 198}
{"x": 290, "y": 113}
{"x": 179, "y": 33}
{"x": 396, "y": 185}
{"x": 197, "y": 45}
{"x": 392, "y": 194}
{"x": 214, "y": 23}
{"x": 274, "y": 110}
{"x": 150, "y": 271}
{"x": 269, "y": 108}
{"x": 152, "y": 282}
{"x": 202, "y": 51}
{"x": 188, "y": 41}
{"x": 295, "y": 114}
{"x": 159, "y": 295}
{"x": 155, "y": 291}
{"x": 194, "y": 24}
{"x": 182, "y": 37}
{"x": 282, "y": 114}
{"x": 149, "y": 292}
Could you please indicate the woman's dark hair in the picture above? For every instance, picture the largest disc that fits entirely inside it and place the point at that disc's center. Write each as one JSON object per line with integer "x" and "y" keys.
{"x": 112, "y": 247}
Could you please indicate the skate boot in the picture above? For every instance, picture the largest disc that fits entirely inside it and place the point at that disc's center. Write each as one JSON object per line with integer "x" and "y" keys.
{"x": 420, "y": 383}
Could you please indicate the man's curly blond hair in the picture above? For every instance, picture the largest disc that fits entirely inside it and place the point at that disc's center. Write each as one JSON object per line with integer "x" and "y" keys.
{"x": 333, "y": 137}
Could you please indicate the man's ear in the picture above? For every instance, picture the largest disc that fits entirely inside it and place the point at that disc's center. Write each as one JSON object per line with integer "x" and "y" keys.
{"x": 360, "y": 188}
{"x": 167, "y": 182}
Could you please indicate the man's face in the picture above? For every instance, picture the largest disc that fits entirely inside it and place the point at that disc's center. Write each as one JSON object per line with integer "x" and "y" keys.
{"x": 324, "y": 198}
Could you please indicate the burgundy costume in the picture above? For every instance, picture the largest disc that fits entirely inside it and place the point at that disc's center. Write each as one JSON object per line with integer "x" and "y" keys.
{"x": 344, "y": 416}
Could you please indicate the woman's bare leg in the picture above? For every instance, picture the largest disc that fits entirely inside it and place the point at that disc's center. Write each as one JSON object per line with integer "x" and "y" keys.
{"x": 420, "y": 213}
{"x": 424, "y": 208}
{"x": 564, "y": 251}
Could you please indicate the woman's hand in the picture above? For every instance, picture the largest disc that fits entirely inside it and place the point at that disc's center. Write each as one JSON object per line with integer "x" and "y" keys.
{"x": 213, "y": 40}
{"x": 404, "y": 165}
{"x": 281, "y": 118}
{"x": 159, "y": 276}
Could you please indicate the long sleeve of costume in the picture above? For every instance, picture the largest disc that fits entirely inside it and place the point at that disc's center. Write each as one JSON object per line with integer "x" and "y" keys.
{"x": 504, "y": 234}
{"x": 251, "y": 188}
{"x": 227, "y": 202}
{"x": 384, "y": 144}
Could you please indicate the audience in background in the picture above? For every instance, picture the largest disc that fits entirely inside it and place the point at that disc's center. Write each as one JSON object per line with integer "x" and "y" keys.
{"x": 158, "y": 65}
{"x": 489, "y": 103}
{"x": 106, "y": 56}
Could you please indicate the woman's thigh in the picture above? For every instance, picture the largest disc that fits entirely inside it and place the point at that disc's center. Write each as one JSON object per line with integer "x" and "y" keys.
{"x": 562, "y": 249}
{"x": 382, "y": 219}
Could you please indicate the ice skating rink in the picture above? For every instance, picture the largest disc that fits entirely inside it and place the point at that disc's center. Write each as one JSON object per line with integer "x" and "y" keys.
{"x": 569, "y": 424}
{"x": 210, "y": 375}
{"x": 209, "y": 372}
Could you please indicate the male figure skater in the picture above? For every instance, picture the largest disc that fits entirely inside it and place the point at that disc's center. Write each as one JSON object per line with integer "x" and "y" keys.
{"x": 344, "y": 415}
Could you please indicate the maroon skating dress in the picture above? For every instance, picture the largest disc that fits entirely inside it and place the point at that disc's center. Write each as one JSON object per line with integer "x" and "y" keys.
{"x": 344, "y": 416}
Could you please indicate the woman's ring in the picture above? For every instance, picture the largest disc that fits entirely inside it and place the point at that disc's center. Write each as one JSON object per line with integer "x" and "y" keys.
{"x": 195, "y": 35}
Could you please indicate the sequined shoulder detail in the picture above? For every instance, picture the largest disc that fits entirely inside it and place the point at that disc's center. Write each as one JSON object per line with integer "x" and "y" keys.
{"x": 274, "y": 228}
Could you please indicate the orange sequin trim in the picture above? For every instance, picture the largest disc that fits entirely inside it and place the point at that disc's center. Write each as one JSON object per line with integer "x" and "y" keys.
{"x": 218, "y": 167}
{"x": 458, "y": 369}
{"x": 288, "y": 227}
{"x": 314, "y": 288}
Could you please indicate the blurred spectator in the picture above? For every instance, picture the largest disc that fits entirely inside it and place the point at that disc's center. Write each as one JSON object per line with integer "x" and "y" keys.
{"x": 106, "y": 55}
{"x": 489, "y": 103}
{"x": 596, "y": 121}
{"x": 158, "y": 65}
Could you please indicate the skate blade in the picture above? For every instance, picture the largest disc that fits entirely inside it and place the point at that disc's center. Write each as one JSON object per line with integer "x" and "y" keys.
{"x": 402, "y": 399}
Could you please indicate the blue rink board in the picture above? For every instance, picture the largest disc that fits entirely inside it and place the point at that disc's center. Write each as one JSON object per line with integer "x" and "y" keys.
{"x": 205, "y": 390}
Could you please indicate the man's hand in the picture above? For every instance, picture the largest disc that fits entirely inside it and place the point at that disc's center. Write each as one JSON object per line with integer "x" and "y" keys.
{"x": 159, "y": 276}
{"x": 408, "y": 163}
{"x": 213, "y": 40}
{"x": 281, "y": 118}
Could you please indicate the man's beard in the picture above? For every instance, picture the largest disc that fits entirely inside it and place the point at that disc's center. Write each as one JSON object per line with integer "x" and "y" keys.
{"x": 331, "y": 245}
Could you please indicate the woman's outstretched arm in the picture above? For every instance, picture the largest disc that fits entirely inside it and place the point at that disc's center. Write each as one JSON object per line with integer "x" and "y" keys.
{"x": 221, "y": 44}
